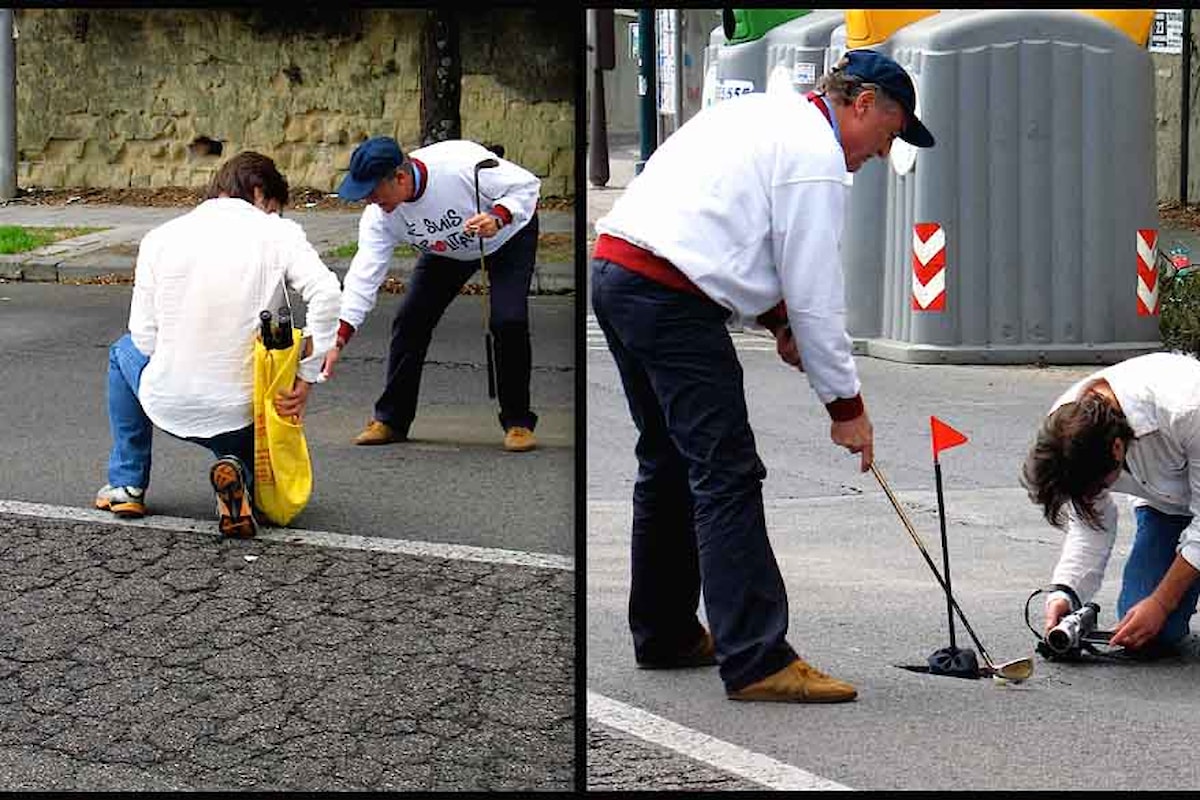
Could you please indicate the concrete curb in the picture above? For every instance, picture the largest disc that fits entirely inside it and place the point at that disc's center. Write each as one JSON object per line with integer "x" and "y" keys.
{"x": 112, "y": 253}
{"x": 549, "y": 278}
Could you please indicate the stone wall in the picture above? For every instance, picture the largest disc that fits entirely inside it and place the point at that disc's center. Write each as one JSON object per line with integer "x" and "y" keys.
{"x": 1168, "y": 90}
{"x": 536, "y": 50}
{"x": 114, "y": 98}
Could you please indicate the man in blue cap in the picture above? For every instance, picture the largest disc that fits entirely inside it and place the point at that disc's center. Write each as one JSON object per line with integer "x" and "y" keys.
{"x": 428, "y": 199}
{"x": 740, "y": 211}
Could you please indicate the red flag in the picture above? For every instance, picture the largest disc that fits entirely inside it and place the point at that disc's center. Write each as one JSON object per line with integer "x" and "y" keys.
{"x": 944, "y": 437}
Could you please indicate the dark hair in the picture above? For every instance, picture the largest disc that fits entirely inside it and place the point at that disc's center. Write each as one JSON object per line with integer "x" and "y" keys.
{"x": 239, "y": 176}
{"x": 1072, "y": 456}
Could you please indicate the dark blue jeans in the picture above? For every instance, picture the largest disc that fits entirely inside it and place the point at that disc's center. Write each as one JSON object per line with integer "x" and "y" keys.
{"x": 1154, "y": 548}
{"x": 435, "y": 282}
{"x": 697, "y": 502}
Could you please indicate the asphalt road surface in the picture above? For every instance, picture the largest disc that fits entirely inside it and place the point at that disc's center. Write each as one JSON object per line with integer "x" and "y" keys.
{"x": 863, "y": 602}
{"x": 454, "y": 483}
{"x": 413, "y": 629}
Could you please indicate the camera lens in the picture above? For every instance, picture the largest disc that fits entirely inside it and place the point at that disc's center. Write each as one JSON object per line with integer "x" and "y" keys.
{"x": 1059, "y": 640}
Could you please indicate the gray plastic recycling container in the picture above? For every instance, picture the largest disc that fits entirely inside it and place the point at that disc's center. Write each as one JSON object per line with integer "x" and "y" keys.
{"x": 1042, "y": 179}
{"x": 712, "y": 55}
{"x": 795, "y": 50}
{"x": 793, "y": 45}
{"x": 864, "y": 237}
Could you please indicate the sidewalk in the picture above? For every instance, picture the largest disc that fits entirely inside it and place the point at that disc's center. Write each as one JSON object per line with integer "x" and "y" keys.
{"x": 1170, "y": 234}
{"x": 113, "y": 252}
{"x": 623, "y": 154}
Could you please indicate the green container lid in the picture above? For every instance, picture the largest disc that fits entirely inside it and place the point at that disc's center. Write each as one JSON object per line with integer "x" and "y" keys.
{"x": 748, "y": 24}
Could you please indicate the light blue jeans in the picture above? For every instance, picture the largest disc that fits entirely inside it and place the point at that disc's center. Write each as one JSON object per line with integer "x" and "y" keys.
{"x": 1154, "y": 548}
{"x": 132, "y": 431}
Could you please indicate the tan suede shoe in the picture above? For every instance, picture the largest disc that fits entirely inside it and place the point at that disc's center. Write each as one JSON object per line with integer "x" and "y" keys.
{"x": 519, "y": 440}
{"x": 797, "y": 683}
{"x": 377, "y": 432}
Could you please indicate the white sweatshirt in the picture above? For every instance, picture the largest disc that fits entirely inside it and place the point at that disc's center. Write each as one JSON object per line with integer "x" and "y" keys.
{"x": 1160, "y": 395}
{"x": 433, "y": 221}
{"x": 747, "y": 200}
{"x": 200, "y": 282}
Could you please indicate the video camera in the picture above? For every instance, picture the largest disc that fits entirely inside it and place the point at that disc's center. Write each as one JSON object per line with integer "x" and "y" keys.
{"x": 1075, "y": 636}
{"x": 1073, "y": 629}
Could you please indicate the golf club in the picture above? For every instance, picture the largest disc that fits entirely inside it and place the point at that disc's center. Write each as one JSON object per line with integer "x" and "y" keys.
{"x": 1017, "y": 670}
{"x": 486, "y": 163}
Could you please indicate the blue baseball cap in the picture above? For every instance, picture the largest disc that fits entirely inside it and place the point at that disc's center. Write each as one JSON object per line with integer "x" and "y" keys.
{"x": 874, "y": 67}
{"x": 371, "y": 162}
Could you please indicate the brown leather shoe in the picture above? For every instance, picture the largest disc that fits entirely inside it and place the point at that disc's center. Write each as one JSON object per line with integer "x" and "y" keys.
{"x": 701, "y": 654}
{"x": 797, "y": 683}
{"x": 519, "y": 440}
{"x": 378, "y": 432}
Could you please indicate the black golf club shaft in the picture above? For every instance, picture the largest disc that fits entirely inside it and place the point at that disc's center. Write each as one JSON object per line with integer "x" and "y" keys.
{"x": 489, "y": 345}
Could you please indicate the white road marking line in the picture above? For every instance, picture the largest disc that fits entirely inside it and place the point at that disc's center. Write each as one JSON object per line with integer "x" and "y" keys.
{"x": 459, "y": 552}
{"x": 701, "y": 747}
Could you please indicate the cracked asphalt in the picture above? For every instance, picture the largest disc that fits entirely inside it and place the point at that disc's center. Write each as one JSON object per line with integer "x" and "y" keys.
{"x": 146, "y": 659}
{"x": 619, "y": 762}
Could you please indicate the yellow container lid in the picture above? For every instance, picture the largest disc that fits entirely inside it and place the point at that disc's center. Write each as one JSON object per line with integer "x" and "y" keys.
{"x": 1135, "y": 22}
{"x": 872, "y": 26}
{"x": 867, "y": 27}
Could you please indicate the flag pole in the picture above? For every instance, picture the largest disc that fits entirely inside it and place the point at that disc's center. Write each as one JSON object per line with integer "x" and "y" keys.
{"x": 944, "y": 436}
{"x": 937, "y": 473}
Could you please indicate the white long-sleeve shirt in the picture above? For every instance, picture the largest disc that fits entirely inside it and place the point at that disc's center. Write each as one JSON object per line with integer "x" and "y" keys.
{"x": 747, "y": 200}
{"x": 432, "y": 222}
{"x": 1160, "y": 396}
{"x": 200, "y": 282}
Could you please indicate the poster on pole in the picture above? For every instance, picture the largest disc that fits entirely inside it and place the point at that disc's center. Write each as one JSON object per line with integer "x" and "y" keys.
{"x": 1166, "y": 34}
{"x": 665, "y": 23}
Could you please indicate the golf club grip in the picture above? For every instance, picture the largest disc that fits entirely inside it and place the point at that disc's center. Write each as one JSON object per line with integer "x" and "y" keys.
{"x": 929, "y": 560}
{"x": 491, "y": 368}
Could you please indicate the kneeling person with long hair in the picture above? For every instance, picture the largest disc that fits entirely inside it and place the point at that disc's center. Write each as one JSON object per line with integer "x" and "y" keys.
{"x": 185, "y": 366}
{"x": 1134, "y": 428}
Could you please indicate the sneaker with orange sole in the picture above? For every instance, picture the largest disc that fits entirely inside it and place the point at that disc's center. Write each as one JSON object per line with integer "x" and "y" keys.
{"x": 124, "y": 501}
{"x": 234, "y": 509}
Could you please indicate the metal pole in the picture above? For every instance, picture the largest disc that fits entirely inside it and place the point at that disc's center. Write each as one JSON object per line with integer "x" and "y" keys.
{"x": 678, "y": 45}
{"x": 937, "y": 471}
{"x": 1185, "y": 105}
{"x": 8, "y": 107}
{"x": 598, "y": 121}
{"x": 661, "y": 45}
{"x": 647, "y": 86}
